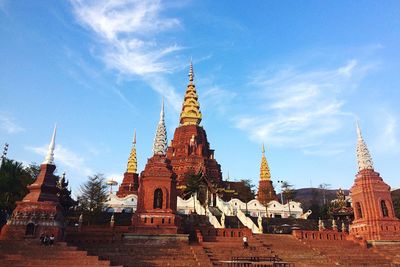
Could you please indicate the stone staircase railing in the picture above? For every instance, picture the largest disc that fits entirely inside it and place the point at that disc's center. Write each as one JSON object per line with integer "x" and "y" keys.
{"x": 205, "y": 211}
{"x": 199, "y": 208}
{"x": 224, "y": 206}
{"x": 213, "y": 220}
{"x": 246, "y": 221}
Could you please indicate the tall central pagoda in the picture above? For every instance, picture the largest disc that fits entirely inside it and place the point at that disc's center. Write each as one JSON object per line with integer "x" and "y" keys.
{"x": 190, "y": 151}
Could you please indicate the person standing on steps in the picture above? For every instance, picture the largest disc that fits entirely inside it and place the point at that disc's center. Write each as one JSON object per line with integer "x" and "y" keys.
{"x": 245, "y": 242}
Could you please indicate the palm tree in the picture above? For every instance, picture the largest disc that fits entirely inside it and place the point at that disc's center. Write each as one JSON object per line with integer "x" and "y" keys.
{"x": 14, "y": 178}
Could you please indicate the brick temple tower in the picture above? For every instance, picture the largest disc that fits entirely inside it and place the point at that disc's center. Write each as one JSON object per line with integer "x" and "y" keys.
{"x": 130, "y": 181}
{"x": 156, "y": 211}
{"x": 266, "y": 191}
{"x": 374, "y": 217}
{"x": 40, "y": 210}
{"x": 190, "y": 151}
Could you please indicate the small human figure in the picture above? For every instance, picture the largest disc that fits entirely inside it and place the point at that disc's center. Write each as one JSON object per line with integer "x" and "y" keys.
{"x": 42, "y": 238}
{"x": 51, "y": 239}
{"x": 245, "y": 242}
{"x": 46, "y": 240}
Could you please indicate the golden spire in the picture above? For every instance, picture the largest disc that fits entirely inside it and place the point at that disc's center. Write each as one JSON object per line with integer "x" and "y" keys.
{"x": 190, "y": 114}
{"x": 264, "y": 169}
{"x": 132, "y": 161}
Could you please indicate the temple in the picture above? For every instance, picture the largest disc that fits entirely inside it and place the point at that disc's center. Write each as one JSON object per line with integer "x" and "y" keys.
{"x": 156, "y": 211}
{"x": 130, "y": 181}
{"x": 374, "y": 218}
{"x": 189, "y": 150}
{"x": 266, "y": 192}
{"x": 179, "y": 212}
{"x": 40, "y": 210}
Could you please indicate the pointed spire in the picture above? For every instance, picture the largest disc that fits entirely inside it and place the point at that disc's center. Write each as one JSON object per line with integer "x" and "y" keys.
{"x": 191, "y": 74}
{"x": 49, "y": 159}
{"x": 190, "y": 114}
{"x": 364, "y": 159}
{"x": 264, "y": 169}
{"x": 132, "y": 161}
{"x": 160, "y": 140}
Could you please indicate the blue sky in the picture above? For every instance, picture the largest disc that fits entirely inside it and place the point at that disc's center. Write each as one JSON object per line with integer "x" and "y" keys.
{"x": 293, "y": 75}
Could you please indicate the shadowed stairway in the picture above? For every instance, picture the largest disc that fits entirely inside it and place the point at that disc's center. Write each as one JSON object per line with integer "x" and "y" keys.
{"x": 225, "y": 250}
{"x": 322, "y": 253}
{"x": 130, "y": 254}
{"x": 31, "y": 253}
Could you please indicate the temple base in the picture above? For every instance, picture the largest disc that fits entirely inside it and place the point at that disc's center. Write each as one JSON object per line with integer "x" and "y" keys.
{"x": 31, "y": 219}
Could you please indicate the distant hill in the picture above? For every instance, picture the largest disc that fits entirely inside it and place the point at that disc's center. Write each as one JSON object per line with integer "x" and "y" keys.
{"x": 309, "y": 196}
{"x": 396, "y": 193}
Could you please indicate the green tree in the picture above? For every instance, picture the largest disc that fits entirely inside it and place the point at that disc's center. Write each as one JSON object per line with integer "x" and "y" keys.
{"x": 14, "y": 178}
{"x": 33, "y": 170}
{"x": 93, "y": 194}
{"x": 288, "y": 191}
{"x": 196, "y": 184}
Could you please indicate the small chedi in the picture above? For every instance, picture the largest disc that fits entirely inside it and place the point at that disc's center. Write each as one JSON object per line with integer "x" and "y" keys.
{"x": 156, "y": 211}
{"x": 266, "y": 191}
{"x": 40, "y": 210}
{"x": 374, "y": 217}
{"x": 130, "y": 182}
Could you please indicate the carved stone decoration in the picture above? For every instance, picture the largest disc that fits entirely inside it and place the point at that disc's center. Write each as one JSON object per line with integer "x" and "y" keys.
{"x": 160, "y": 140}
{"x": 363, "y": 157}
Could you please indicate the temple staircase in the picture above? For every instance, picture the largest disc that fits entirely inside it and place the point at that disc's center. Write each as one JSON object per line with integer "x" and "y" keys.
{"x": 32, "y": 253}
{"x": 219, "y": 252}
{"x": 144, "y": 254}
{"x": 323, "y": 252}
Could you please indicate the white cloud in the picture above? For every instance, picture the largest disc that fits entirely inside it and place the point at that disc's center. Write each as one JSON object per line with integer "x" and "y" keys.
{"x": 348, "y": 69}
{"x": 215, "y": 97}
{"x": 66, "y": 158}
{"x": 163, "y": 87}
{"x": 8, "y": 124}
{"x": 301, "y": 108}
{"x": 128, "y": 34}
{"x": 388, "y": 140}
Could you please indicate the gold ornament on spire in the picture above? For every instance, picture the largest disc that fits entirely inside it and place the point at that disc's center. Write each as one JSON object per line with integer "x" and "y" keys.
{"x": 265, "y": 175}
{"x": 190, "y": 114}
{"x": 132, "y": 161}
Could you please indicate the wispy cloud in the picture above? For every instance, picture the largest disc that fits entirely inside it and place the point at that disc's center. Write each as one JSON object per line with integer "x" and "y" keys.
{"x": 127, "y": 33}
{"x": 388, "y": 139}
{"x": 216, "y": 97}
{"x": 65, "y": 157}
{"x": 3, "y": 5}
{"x": 299, "y": 108}
{"x": 8, "y": 124}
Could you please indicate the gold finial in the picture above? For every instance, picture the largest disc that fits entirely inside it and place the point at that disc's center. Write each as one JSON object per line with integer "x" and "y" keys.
{"x": 190, "y": 114}
{"x": 191, "y": 74}
{"x": 132, "y": 161}
{"x": 264, "y": 169}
